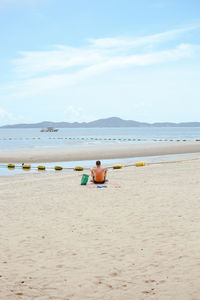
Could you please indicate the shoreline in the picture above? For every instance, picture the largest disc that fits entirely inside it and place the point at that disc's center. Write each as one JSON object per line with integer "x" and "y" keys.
{"x": 5, "y": 172}
{"x": 94, "y": 152}
{"x": 87, "y": 165}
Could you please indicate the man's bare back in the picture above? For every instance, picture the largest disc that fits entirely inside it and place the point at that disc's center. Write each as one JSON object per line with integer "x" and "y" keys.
{"x": 98, "y": 174}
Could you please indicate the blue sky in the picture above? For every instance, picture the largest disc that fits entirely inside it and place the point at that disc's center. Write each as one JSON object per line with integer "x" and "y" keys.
{"x": 83, "y": 60}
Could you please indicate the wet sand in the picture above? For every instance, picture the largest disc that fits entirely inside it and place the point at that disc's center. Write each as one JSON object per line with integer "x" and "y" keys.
{"x": 93, "y": 152}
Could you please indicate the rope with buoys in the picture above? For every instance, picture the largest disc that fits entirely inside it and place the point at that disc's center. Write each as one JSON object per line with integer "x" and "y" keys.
{"x": 77, "y": 168}
{"x": 59, "y": 168}
{"x": 99, "y": 139}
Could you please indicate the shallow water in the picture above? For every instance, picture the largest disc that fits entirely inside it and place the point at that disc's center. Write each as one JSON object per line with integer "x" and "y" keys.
{"x": 88, "y": 164}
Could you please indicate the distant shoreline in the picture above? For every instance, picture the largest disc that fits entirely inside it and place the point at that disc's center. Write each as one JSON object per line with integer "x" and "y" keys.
{"x": 113, "y": 122}
{"x": 93, "y": 152}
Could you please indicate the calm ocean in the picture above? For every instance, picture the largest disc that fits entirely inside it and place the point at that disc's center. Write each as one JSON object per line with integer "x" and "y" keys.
{"x": 33, "y": 138}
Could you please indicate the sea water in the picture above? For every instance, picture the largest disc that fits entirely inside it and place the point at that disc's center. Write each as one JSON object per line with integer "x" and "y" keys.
{"x": 33, "y": 138}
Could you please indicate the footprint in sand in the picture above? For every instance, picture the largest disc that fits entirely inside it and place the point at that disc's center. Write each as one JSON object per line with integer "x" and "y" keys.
{"x": 162, "y": 281}
{"x": 59, "y": 266}
{"x": 114, "y": 274}
{"x": 110, "y": 286}
{"x": 150, "y": 281}
{"x": 19, "y": 294}
{"x": 151, "y": 292}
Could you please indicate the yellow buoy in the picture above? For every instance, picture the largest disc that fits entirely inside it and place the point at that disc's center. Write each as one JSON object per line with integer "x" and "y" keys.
{"x": 11, "y": 166}
{"x": 26, "y": 166}
{"x": 41, "y": 167}
{"x": 58, "y": 168}
{"x": 78, "y": 168}
{"x": 117, "y": 166}
{"x": 140, "y": 164}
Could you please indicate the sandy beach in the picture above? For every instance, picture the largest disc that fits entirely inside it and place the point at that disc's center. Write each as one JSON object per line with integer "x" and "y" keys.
{"x": 136, "y": 239}
{"x": 101, "y": 151}
{"x": 109, "y": 81}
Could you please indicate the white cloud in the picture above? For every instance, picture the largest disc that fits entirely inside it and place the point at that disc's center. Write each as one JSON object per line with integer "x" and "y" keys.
{"x": 40, "y": 72}
{"x": 141, "y": 41}
{"x": 33, "y": 63}
{"x": 97, "y": 51}
{"x": 34, "y": 86}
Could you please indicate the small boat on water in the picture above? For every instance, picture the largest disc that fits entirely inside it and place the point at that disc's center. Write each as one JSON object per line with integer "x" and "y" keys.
{"x": 49, "y": 129}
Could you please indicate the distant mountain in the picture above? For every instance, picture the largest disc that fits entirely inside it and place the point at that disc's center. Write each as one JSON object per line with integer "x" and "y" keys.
{"x": 109, "y": 122}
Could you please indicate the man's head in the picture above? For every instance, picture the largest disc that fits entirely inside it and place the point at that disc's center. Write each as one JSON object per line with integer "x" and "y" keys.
{"x": 98, "y": 163}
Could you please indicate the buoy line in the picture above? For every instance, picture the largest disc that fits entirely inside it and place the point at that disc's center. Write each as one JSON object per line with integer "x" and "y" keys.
{"x": 80, "y": 168}
{"x": 105, "y": 139}
{"x": 26, "y": 167}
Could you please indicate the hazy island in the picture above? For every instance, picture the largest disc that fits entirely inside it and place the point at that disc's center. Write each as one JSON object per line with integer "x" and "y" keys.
{"x": 108, "y": 122}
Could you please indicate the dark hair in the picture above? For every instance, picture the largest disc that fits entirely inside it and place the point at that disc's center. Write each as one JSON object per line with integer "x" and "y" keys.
{"x": 98, "y": 162}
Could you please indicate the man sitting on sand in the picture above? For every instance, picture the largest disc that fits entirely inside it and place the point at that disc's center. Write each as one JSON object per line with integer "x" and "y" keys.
{"x": 98, "y": 174}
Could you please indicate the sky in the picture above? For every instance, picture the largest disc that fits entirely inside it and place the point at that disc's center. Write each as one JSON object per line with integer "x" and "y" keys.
{"x": 82, "y": 60}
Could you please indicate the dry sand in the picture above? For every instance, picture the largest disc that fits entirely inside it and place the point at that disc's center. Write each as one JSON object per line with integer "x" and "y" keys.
{"x": 101, "y": 151}
{"x": 60, "y": 240}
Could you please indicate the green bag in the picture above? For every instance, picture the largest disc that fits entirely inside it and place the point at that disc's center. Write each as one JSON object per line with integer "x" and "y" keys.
{"x": 84, "y": 179}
